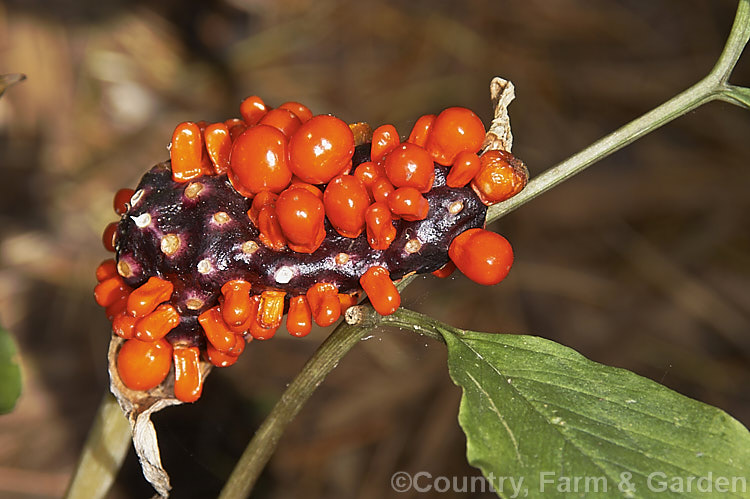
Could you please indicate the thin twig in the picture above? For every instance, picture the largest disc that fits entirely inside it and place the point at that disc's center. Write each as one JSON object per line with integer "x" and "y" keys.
{"x": 103, "y": 453}
{"x": 263, "y": 444}
{"x": 712, "y": 87}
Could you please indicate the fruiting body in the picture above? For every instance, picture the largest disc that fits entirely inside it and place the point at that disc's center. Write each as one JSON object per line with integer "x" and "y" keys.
{"x": 500, "y": 177}
{"x": 484, "y": 257}
{"x": 259, "y": 217}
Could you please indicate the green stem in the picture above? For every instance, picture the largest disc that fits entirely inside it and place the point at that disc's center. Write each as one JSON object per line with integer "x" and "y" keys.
{"x": 263, "y": 444}
{"x": 713, "y": 86}
{"x": 419, "y": 323}
{"x": 103, "y": 453}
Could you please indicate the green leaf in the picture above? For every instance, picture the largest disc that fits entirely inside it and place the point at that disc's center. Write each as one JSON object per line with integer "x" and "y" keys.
{"x": 10, "y": 373}
{"x": 537, "y": 411}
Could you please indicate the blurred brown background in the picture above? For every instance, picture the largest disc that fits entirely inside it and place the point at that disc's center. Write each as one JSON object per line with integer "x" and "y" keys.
{"x": 642, "y": 262}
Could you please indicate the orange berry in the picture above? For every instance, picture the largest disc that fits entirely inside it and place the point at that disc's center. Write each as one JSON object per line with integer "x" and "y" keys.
{"x": 271, "y": 234}
{"x": 256, "y": 329}
{"x": 346, "y": 200}
{"x": 464, "y": 168}
{"x": 409, "y": 165}
{"x": 259, "y": 161}
{"x": 252, "y": 109}
{"x": 239, "y": 346}
{"x": 123, "y": 325}
{"x": 380, "y": 289}
{"x": 218, "y": 146}
{"x": 445, "y": 271}
{"x": 501, "y": 176}
{"x": 188, "y": 384}
{"x": 121, "y": 202}
{"x": 271, "y": 308}
{"x": 368, "y": 172}
{"x": 299, "y": 183}
{"x": 117, "y": 308}
{"x": 186, "y": 152}
{"x": 144, "y": 365}
{"x": 144, "y": 299}
{"x": 218, "y": 333}
{"x": 110, "y": 290}
{"x": 264, "y": 198}
{"x": 263, "y": 215}
{"x": 301, "y": 217}
{"x": 384, "y": 139}
{"x": 299, "y": 317}
{"x": 456, "y": 129}
{"x": 158, "y": 323}
{"x": 236, "y": 307}
{"x": 362, "y": 133}
{"x": 324, "y": 303}
{"x": 106, "y": 269}
{"x": 282, "y": 119}
{"x": 320, "y": 149}
{"x": 347, "y": 300}
{"x": 380, "y": 229}
{"x": 409, "y": 204}
{"x": 300, "y": 110}
{"x": 381, "y": 189}
{"x": 421, "y": 130}
{"x": 234, "y": 121}
{"x": 236, "y": 130}
{"x": 221, "y": 359}
{"x": 484, "y": 257}
{"x": 109, "y": 237}
{"x": 347, "y": 169}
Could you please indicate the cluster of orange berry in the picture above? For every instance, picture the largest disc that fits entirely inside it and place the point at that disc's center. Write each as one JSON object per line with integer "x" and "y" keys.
{"x": 293, "y": 201}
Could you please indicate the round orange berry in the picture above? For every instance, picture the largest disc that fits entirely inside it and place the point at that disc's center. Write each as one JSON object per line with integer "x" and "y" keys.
{"x": 368, "y": 172}
{"x": 301, "y": 216}
{"x": 501, "y": 176}
{"x": 109, "y": 237}
{"x": 409, "y": 204}
{"x": 282, "y": 119}
{"x": 144, "y": 364}
{"x": 320, "y": 149}
{"x": 483, "y": 256}
{"x": 300, "y": 110}
{"x": 259, "y": 161}
{"x": 122, "y": 200}
{"x": 346, "y": 200}
{"x": 409, "y": 165}
{"x": 465, "y": 166}
{"x": 421, "y": 130}
{"x": 384, "y": 138}
{"x": 252, "y": 109}
{"x": 454, "y": 130}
